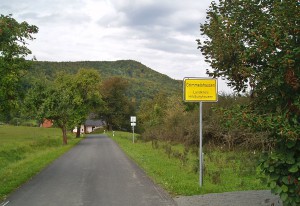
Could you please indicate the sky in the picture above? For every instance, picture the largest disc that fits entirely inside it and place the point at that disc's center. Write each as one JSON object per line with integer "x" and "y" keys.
{"x": 158, "y": 33}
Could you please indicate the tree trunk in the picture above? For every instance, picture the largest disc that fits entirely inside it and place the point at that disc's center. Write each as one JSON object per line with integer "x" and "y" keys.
{"x": 64, "y": 131}
{"x": 110, "y": 127}
{"x": 78, "y": 131}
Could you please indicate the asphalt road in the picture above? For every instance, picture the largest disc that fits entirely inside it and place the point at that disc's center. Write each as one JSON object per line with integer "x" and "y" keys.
{"x": 94, "y": 173}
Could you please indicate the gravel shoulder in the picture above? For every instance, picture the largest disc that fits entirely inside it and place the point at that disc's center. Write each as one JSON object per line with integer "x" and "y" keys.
{"x": 243, "y": 198}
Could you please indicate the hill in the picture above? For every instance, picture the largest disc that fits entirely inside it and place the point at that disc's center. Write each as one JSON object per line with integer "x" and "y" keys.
{"x": 143, "y": 81}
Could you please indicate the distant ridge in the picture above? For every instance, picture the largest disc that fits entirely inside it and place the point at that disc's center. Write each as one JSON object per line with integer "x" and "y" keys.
{"x": 144, "y": 82}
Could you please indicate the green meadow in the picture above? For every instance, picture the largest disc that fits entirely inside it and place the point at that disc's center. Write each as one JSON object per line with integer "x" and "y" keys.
{"x": 224, "y": 171}
{"x": 25, "y": 151}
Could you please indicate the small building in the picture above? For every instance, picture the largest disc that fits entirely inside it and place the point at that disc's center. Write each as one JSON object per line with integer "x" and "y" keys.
{"x": 90, "y": 125}
{"x": 81, "y": 129}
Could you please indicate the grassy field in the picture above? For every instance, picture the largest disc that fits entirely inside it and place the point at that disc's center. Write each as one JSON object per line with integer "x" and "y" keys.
{"x": 224, "y": 171}
{"x": 25, "y": 151}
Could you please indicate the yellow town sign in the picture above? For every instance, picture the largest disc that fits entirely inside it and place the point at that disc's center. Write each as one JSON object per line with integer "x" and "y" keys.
{"x": 200, "y": 90}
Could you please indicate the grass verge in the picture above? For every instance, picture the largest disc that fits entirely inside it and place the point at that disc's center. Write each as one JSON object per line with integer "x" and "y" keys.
{"x": 225, "y": 171}
{"x": 25, "y": 151}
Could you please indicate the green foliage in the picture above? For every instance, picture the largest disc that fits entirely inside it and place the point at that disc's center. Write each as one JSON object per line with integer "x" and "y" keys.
{"x": 86, "y": 84}
{"x": 35, "y": 97}
{"x": 60, "y": 104}
{"x": 13, "y": 50}
{"x": 283, "y": 169}
{"x": 281, "y": 164}
{"x": 67, "y": 101}
{"x": 143, "y": 82}
{"x": 256, "y": 44}
{"x": 152, "y": 112}
{"x": 118, "y": 107}
{"x": 140, "y": 83}
{"x": 253, "y": 42}
{"x": 172, "y": 120}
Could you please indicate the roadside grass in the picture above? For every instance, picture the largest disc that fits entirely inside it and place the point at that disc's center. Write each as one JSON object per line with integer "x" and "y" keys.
{"x": 25, "y": 151}
{"x": 225, "y": 171}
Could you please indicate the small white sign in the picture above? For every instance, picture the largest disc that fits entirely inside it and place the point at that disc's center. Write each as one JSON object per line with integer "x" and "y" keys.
{"x": 133, "y": 119}
{"x": 133, "y": 124}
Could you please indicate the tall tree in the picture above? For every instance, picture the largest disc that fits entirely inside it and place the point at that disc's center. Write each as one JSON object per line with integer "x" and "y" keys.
{"x": 256, "y": 44}
{"x": 118, "y": 107}
{"x": 67, "y": 101}
{"x": 60, "y": 103}
{"x": 86, "y": 85}
{"x": 13, "y": 50}
{"x": 152, "y": 112}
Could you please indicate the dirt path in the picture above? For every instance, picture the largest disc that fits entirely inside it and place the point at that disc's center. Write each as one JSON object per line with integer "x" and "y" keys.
{"x": 244, "y": 198}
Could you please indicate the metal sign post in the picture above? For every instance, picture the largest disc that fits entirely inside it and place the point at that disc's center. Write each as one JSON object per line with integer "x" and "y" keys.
{"x": 132, "y": 134}
{"x": 133, "y": 124}
{"x": 200, "y": 90}
{"x": 200, "y": 149}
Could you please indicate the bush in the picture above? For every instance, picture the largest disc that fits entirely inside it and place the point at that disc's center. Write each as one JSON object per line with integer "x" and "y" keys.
{"x": 178, "y": 122}
{"x": 30, "y": 123}
{"x": 15, "y": 121}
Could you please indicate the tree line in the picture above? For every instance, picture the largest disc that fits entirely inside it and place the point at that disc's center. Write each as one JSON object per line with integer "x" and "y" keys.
{"x": 67, "y": 98}
{"x": 71, "y": 98}
{"x": 143, "y": 82}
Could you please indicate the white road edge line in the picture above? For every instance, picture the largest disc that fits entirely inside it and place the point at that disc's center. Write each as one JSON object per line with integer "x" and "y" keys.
{"x": 5, "y": 203}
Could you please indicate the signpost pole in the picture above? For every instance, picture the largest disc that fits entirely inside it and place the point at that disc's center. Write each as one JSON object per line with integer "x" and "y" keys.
{"x": 132, "y": 134}
{"x": 200, "y": 90}
{"x": 200, "y": 148}
{"x": 133, "y": 123}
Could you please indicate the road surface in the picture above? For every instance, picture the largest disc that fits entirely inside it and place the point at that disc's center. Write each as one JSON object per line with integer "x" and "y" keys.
{"x": 94, "y": 173}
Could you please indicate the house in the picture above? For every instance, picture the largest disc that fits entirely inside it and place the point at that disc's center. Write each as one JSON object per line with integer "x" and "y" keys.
{"x": 81, "y": 129}
{"x": 90, "y": 125}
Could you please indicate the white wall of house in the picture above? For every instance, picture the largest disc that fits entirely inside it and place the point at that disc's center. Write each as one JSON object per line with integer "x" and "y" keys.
{"x": 88, "y": 129}
{"x": 81, "y": 129}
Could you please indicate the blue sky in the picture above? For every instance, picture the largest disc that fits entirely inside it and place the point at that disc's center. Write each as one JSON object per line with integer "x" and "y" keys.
{"x": 160, "y": 34}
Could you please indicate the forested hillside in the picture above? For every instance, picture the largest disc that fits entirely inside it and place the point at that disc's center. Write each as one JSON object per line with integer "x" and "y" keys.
{"x": 143, "y": 81}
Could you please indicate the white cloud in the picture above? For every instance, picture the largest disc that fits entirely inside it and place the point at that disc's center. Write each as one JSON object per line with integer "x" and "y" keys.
{"x": 159, "y": 34}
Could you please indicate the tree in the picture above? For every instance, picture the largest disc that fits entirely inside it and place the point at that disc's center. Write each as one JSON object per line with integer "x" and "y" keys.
{"x": 118, "y": 108}
{"x": 58, "y": 103}
{"x": 256, "y": 44}
{"x": 151, "y": 118}
{"x": 13, "y": 51}
{"x": 34, "y": 98}
{"x": 152, "y": 112}
{"x": 86, "y": 85}
{"x": 67, "y": 100}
